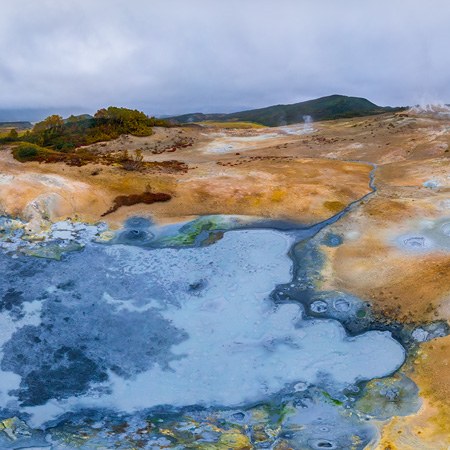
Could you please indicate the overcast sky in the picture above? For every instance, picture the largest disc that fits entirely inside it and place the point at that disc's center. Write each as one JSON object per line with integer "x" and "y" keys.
{"x": 175, "y": 56}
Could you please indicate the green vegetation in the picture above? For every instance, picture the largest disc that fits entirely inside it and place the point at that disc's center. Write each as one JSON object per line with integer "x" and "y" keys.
{"x": 210, "y": 227}
{"x": 58, "y": 140}
{"x": 331, "y": 399}
{"x": 26, "y": 151}
{"x": 189, "y": 233}
{"x": 62, "y": 135}
{"x": 30, "y": 152}
{"x": 9, "y": 136}
{"x": 277, "y": 412}
{"x": 65, "y": 135}
{"x": 324, "y": 108}
{"x": 13, "y": 134}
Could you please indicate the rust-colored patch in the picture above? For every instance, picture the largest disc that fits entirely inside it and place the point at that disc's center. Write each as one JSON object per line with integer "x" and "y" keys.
{"x": 129, "y": 200}
{"x": 334, "y": 206}
{"x": 171, "y": 166}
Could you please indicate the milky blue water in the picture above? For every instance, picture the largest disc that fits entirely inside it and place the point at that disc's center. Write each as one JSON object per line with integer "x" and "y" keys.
{"x": 126, "y": 328}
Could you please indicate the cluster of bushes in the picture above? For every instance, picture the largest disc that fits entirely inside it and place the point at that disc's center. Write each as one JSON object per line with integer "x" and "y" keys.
{"x": 11, "y": 136}
{"x": 65, "y": 135}
{"x": 57, "y": 140}
{"x": 26, "y": 151}
{"x": 30, "y": 152}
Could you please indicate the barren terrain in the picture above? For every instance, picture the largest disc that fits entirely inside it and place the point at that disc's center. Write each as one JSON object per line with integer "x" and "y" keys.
{"x": 395, "y": 252}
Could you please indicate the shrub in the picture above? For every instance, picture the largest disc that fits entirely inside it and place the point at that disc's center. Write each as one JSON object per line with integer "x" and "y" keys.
{"x": 13, "y": 134}
{"x": 26, "y": 151}
{"x": 29, "y": 152}
{"x": 133, "y": 162}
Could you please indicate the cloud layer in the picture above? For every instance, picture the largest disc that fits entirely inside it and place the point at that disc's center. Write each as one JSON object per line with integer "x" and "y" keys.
{"x": 173, "y": 56}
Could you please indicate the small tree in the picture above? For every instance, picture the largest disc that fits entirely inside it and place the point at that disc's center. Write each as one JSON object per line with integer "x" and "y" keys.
{"x": 53, "y": 122}
{"x": 13, "y": 135}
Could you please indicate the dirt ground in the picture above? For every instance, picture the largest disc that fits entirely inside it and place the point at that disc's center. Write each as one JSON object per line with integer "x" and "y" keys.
{"x": 255, "y": 181}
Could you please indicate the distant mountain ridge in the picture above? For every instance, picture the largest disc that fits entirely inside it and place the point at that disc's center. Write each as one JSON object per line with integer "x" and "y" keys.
{"x": 16, "y": 125}
{"x": 35, "y": 114}
{"x": 323, "y": 108}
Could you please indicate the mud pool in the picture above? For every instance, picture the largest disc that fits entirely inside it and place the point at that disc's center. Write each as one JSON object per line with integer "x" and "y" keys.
{"x": 221, "y": 340}
{"x": 427, "y": 235}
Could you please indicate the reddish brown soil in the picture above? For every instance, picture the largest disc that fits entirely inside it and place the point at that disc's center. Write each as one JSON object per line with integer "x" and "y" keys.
{"x": 129, "y": 200}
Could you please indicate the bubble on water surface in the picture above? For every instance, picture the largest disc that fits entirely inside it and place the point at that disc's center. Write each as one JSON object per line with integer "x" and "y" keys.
{"x": 134, "y": 236}
{"x": 319, "y": 306}
{"x": 414, "y": 242}
{"x": 445, "y": 229}
{"x": 321, "y": 444}
{"x": 418, "y": 242}
{"x": 341, "y": 305}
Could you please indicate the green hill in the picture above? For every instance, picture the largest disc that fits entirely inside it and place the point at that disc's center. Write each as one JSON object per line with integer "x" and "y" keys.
{"x": 324, "y": 108}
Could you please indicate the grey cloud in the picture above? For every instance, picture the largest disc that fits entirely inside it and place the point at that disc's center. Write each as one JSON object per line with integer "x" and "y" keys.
{"x": 174, "y": 56}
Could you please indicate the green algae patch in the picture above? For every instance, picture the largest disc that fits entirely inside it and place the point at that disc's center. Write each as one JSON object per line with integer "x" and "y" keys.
{"x": 332, "y": 400}
{"x": 361, "y": 313}
{"x": 233, "y": 439}
{"x": 211, "y": 226}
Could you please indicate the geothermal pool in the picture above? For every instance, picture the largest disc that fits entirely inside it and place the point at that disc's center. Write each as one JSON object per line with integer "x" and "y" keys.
{"x": 125, "y": 329}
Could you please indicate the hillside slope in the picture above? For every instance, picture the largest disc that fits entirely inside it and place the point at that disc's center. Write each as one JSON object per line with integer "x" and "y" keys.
{"x": 324, "y": 108}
